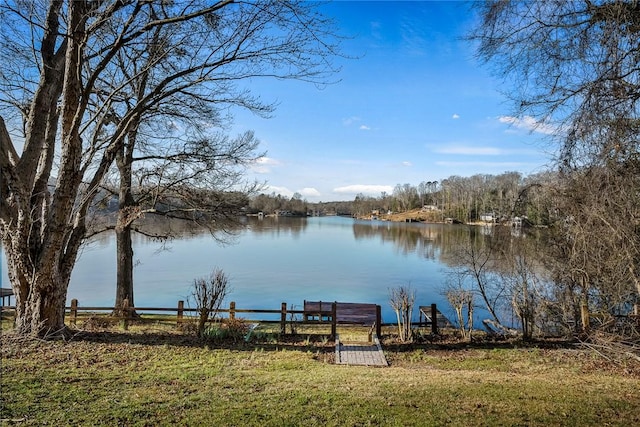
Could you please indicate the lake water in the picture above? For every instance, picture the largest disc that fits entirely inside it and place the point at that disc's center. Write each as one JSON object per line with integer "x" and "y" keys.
{"x": 277, "y": 260}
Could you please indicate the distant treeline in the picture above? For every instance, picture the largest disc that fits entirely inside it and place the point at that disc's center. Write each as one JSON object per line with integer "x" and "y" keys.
{"x": 467, "y": 199}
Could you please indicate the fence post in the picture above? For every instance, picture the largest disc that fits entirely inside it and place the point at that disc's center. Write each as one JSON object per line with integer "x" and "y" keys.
{"x": 232, "y": 310}
{"x": 283, "y": 318}
{"x": 379, "y": 321}
{"x": 74, "y": 311}
{"x": 434, "y": 319}
{"x": 180, "y": 314}
{"x": 334, "y": 320}
{"x": 125, "y": 313}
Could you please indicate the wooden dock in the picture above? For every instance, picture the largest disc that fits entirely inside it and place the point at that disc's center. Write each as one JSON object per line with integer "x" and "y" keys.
{"x": 428, "y": 313}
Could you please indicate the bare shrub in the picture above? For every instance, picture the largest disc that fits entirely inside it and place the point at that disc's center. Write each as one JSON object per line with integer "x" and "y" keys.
{"x": 293, "y": 320}
{"x": 208, "y": 294}
{"x": 462, "y": 302}
{"x": 401, "y": 300}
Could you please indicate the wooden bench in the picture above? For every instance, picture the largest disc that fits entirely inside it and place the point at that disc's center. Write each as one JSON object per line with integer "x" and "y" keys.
{"x": 318, "y": 311}
{"x": 346, "y": 313}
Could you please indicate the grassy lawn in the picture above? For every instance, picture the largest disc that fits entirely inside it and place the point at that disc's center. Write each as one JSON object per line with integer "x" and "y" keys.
{"x": 155, "y": 377}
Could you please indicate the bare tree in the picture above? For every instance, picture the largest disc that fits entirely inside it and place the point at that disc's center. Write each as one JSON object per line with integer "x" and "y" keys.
{"x": 170, "y": 152}
{"x": 578, "y": 75}
{"x": 198, "y": 181}
{"x": 461, "y": 299}
{"x": 406, "y": 196}
{"x": 476, "y": 263}
{"x": 594, "y": 250}
{"x": 57, "y": 108}
{"x": 574, "y": 62}
{"x": 523, "y": 277}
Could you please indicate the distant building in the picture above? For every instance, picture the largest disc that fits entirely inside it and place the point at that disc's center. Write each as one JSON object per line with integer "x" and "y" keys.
{"x": 488, "y": 217}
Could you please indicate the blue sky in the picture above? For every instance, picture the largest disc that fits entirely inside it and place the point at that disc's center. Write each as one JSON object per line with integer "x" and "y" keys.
{"x": 415, "y": 105}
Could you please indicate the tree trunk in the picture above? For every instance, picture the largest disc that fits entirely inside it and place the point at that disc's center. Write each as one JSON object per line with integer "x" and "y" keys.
{"x": 44, "y": 310}
{"x": 127, "y": 213}
{"x": 124, "y": 268}
{"x": 40, "y": 300}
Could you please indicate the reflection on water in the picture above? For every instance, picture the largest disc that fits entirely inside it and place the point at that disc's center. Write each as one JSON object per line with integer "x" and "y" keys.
{"x": 277, "y": 226}
{"x": 274, "y": 260}
{"x": 426, "y": 240}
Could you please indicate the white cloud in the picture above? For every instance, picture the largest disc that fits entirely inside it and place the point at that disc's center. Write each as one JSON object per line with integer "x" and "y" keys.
{"x": 310, "y": 192}
{"x": 365, "y": 127}
{"x": 263, "y": 165}
{"x": 286, "y": 192}
{"x": 407, "y": 164}
{"x": 283, "y": 191}
{"x": 455, "y": 116}
{"x": 372, "y": 190}
{"x": 530, "y": 124}
{"x": 470, "y": 151}
{"x": 268, "y": 161}
{"x": 350, "y": 120}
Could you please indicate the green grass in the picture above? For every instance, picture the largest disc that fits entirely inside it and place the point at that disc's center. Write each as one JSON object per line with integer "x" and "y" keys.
{"x": 159, "y": 378}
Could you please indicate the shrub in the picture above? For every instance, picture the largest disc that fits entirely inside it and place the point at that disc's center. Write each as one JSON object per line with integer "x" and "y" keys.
{"x": 402, "y": 300}
{"x": 208, "y": 294}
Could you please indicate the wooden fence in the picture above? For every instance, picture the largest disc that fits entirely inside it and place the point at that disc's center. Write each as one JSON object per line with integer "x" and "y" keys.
{"x": 283, "y": 315}
{"x": 181, "y": 312}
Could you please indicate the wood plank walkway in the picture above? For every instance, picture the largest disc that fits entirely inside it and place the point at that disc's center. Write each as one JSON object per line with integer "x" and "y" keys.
{"x": 369, "y": 354}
